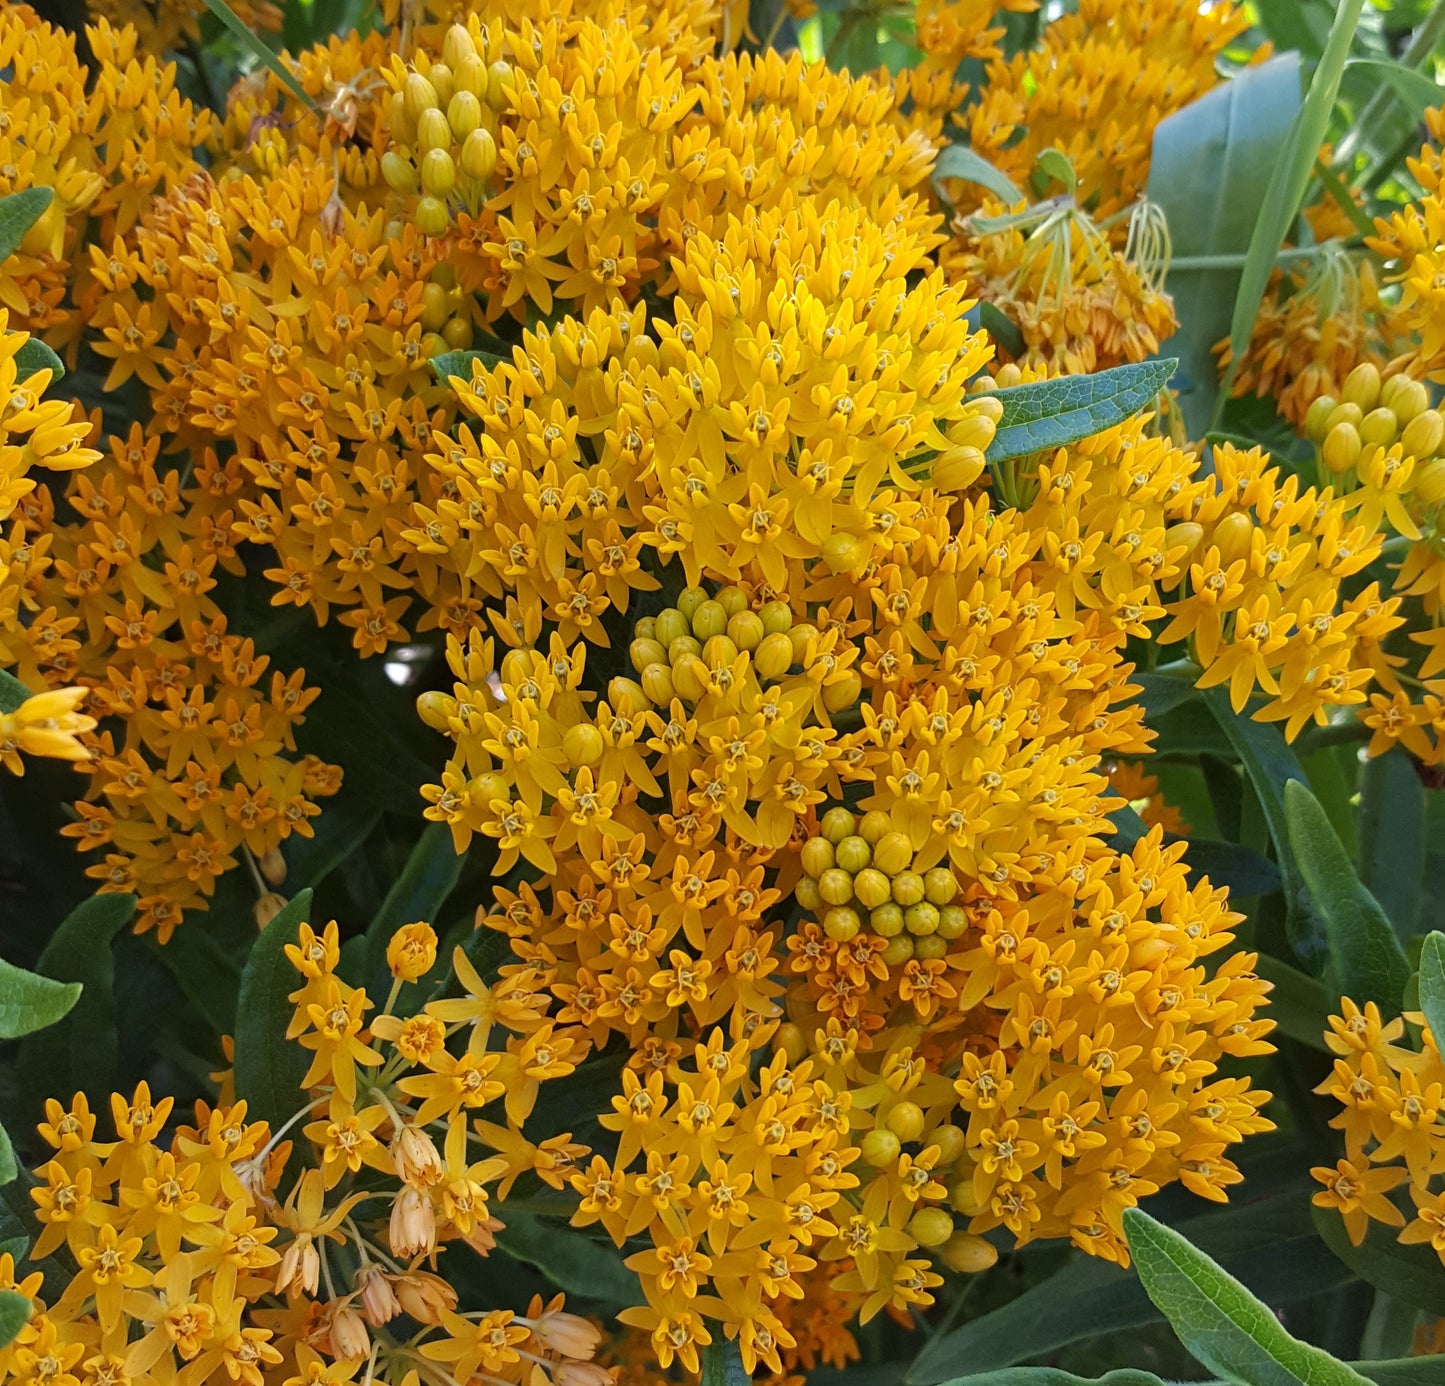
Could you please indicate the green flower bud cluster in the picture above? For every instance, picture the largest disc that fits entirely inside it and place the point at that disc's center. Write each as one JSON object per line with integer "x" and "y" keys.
{"x": 443, "y": 120}
{"x": 861, "y": 870}
{"x": 680, "y": 652}
{"x": 1373, "y": 414}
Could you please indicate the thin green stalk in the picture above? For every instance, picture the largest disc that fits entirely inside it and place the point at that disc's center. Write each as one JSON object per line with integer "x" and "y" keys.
{"x": 259, "y": 51}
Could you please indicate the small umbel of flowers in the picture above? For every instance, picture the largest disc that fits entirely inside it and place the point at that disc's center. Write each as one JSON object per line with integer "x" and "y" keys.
{"x": 225, "y": 1249}
{"x": 1391, "y": 1098}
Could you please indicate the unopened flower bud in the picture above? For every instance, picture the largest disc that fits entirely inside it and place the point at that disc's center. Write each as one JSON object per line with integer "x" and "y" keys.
{"x": 424, "y": 1297}
{"x": 350, "y": 1341}
{"x": 414, "y": 1154}
{"x": 433, "y": 131}
{"x": 1342, "y": 448}
{"x": 419, "y": 95}
{"x": 1423, "y": 434}
{"x": 458, "y": 46}
{"x": 267, "y": 908}
{"x": 413, "y": 1228}
{"x": 431, "y": 220}
{"x": 411, "y": 953}
{"x": 379, "y": 1303}
{"x": 967, "y": 1254}
{"x": 464, "y": 114}
{"x": 567, "y": 1334}
{"x": 1362, "y": 386}
{"x": 438, "y": 173}
{"x": 272, "y": 866}
{"x": 1316, "y": 419}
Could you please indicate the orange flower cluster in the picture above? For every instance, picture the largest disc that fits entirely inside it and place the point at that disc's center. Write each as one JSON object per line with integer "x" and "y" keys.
{"x": 1390, "y": 1097}
{"x": 1079, "y": 304}
{"x": 1099, "y": 81}
{"x": 192, "y": 1263}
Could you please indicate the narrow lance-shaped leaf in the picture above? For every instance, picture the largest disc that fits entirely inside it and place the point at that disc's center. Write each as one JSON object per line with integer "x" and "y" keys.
{"x": 1054, "y": 413}
{"x": 18, "y": 213}
{"x": 1287, "y": 184}
{"x": 1369, "y": 963}
{"x": 1271, "y": 766}
{"x": 269, "y": 1067}
{"x": 961, "y": 162}
{"x": 1218, "y": 1320}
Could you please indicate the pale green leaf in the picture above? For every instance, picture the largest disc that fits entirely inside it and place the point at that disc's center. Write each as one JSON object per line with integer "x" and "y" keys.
{"x": 1221, "y": 1323}
{"x": 1208, "y": 171}
{"x": 1288, "y": 182}
{"x": 459, "y": 363}
{"x": 1051, "y": 414}
{"x": 1056, "y": 166}
{"x": 958, "y": 161}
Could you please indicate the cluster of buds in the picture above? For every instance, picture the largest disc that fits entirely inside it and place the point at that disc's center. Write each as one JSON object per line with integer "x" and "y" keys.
{"x": 1376, "y": 419}
{"x": 865, "y": 869}
{"x": 443, "y": 120}
{"x": 705, "y": 644}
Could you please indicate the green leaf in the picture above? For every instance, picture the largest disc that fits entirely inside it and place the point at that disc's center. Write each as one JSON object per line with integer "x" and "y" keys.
{"x": 1162, "y": 693}
{"x": 1412, "y": 1273}
{"x": 269, "y": 1067}
{"x": 1289, "y": 179}
{"x": 1392, "y": 837}
{"x": 12, "y": 692}
{"x": 14, "y": 1315}
{"x": 1229, "y": 864}
{"x": 1218, "y": 1320}
{"x": 29, "y": 1002}
{"x": 9, "y": 1170}
{"x": 79, "y": 1053}
{"x": 429, "y": 876}
{"x": 1415, "y": 91}
{"x": 1054, "y": 413}
{"x": 1056, "y": 1376}
{"x": 18, "y": 213}
{"x": 1432, "y": 983}
{"x": 15, "y": 1247}
{"x": 1271, "y": 1244}
{"x": 1403, "y": 1371}
{"x": 258, "y": 50}
{"x": 1270, "y": 765}
{"x": 959, "y": 161}
{"x": 1002, "y": 328}
{"x": 1056, "y": 166}
{"x": 722, "y": 1362}
{"x": 1368, "y": 962}
{"x": 1292, "y": 24}
{"x": 35, "y": 356}
{"x": 1299, "y": 1004}
{"x": 459, "y": 363}
{"x": 1208, "y": 171}
{"x": 570, "y": 1260}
